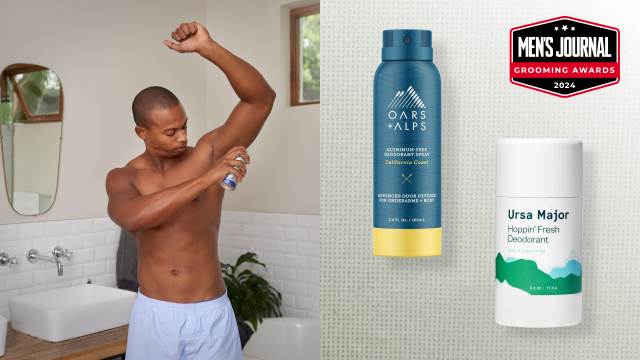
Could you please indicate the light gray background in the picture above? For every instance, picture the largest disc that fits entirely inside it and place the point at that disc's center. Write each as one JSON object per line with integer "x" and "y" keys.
{"x": 443, "y": 308}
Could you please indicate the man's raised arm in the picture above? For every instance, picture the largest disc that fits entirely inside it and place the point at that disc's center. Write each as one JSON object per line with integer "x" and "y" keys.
{"x": 256, "y": 96}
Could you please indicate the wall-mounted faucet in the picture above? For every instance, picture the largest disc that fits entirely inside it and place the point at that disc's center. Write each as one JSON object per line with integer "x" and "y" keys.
{"x": 58, "y": 253}
{"x": 5, "y": 259}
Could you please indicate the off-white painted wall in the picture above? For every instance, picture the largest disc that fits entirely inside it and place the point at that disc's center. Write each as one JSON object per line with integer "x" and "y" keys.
{"x": 284, "y": 175}
{"x": 104, "y": 53}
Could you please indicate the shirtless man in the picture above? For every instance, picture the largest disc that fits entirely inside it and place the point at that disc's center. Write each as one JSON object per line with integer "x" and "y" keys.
{"x": 170, "y": 199}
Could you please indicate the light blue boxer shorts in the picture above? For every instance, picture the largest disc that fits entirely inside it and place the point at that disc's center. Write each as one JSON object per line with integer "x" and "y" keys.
{"x": 162, "y": 330}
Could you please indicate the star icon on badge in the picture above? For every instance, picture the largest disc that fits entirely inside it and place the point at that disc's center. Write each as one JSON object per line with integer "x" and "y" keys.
{"x": 564, "y": 27}
{"x": 555, "y": 28}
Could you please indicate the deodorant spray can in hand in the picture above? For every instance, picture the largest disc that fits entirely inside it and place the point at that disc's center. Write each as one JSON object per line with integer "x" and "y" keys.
{"x": 230, "y": 182}
{"x": 406, "y": 147}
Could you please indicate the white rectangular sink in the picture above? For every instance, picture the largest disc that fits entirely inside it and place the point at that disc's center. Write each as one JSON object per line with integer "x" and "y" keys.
{"x": 65, "y": 313}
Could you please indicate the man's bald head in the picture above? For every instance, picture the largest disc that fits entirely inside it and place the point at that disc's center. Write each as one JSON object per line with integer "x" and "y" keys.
{"x": 151, "y": 98}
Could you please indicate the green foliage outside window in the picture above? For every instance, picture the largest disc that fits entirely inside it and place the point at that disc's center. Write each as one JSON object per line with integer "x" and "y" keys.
{"x": 310, "y": 44}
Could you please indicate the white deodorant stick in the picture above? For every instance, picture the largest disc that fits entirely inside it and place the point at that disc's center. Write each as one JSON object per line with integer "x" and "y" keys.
{"x": 538, "y": 232}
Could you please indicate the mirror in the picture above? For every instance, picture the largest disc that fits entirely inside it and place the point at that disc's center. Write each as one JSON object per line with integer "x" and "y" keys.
{"x": 31, "y": 104}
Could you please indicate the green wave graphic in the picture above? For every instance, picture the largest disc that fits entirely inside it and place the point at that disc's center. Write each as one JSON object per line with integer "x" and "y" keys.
{"x": 525, "y": 275}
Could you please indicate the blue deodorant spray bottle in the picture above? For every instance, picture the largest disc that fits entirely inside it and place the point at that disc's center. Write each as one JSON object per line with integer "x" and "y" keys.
{"x": 406, "y": 147}
{"x": 230, "y": 182}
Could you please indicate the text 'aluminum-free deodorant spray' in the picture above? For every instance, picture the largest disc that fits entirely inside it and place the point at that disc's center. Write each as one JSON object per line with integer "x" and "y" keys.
{"x": 538, "y": 232}
{"x": 406, "y": 147}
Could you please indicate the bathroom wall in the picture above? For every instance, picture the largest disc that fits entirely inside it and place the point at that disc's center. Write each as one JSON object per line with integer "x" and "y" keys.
{"x": 104, "y": 52}
{"x": 103, "y": 63}
{"x": 284, "y": 175}
{"x": 287, "y": 243}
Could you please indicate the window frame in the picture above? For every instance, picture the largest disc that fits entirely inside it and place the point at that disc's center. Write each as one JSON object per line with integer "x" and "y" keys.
{"x": 294, "y": 48}
{"x": 10, "y": 73}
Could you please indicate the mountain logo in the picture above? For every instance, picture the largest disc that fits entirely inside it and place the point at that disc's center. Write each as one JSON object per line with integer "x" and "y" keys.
{"x": 407, "y": 99}
{"x": 571, "y": 267}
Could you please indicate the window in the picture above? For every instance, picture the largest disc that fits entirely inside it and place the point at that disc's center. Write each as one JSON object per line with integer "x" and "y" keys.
{"x": 305, "y": 55}
{"x": 34, "y": 91}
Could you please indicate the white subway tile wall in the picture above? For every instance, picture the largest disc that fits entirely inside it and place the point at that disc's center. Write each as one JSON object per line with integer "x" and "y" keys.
{"x": 289, "y": 245}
